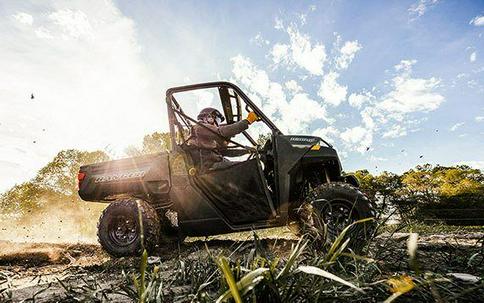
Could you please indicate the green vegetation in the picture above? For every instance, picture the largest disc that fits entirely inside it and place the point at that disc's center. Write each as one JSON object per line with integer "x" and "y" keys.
{"x": 54, "y": 182}
{"x": 49, "y": 202}
{"x": 454, "y": 195}
{"x": 314, "y": 271}
{"x": 153, "y": 143}
{"x": 308, "y": 272}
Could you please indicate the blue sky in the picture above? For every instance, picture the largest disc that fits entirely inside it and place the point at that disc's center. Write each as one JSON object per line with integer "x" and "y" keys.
{"x": 391, "y": 84}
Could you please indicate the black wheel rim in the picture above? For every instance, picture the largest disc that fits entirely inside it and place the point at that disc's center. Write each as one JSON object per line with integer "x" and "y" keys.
{"x": 123, "y": 230}
{"x": 338, "y": 215}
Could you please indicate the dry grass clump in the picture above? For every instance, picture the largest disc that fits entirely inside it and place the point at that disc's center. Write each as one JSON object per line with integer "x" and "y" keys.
{"x": 314, "y": 271}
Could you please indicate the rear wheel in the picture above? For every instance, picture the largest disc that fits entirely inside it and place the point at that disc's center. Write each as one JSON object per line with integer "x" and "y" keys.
{"x": 119, "y": 229}
{"x": 331, "y": 207}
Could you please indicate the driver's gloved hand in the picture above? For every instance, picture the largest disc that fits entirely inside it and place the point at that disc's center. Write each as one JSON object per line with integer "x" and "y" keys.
{"x": 252, "y": 117}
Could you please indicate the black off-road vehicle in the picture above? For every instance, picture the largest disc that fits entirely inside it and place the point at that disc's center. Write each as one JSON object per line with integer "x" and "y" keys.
{"x": 275, "y": 178}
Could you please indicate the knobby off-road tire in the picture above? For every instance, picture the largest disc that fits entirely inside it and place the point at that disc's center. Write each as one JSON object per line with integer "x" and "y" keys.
{"x": 119, "y": 230}
{"x": 330, "y": 207}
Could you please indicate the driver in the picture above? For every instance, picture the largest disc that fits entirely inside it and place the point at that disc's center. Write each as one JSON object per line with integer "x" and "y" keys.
{"x": 209, "y": 146}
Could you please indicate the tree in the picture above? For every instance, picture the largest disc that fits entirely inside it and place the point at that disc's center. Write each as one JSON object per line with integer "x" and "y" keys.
{"x": 60, "y": 174}
{"x": 367, "y": 183}
{"x": 420, "y": 185}
{"x": 21, "y": 197}
{"x": 458, "y": 181}
{"x": 428, "y": 184}
{"x": 153, "y": 143}
{"x": 54, "y": 182}
{"x": 438, "y": 192}
{"x": 383, "y": 189}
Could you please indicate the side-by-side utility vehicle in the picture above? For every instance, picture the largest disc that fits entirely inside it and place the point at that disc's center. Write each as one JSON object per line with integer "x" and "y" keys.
{"x": 168, "y": 195}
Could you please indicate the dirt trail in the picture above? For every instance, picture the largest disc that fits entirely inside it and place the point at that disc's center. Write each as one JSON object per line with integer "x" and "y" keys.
{"x": 43, "y": 268}
{"x": 38, "y": 270}
{"x": 39, "y": 254}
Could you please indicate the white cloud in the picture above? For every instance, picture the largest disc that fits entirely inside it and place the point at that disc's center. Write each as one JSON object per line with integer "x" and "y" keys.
{"x": 347, "y": 54}
{"x": 43, "y": 33}
{"x": 477, "y": 21}
{"x": 479, "y": 118}
{"x": 280, "y": 53}
{"x": 389, "y": 114}
{"x": 332, "y": 92}
{"x": 357, "y": 100}
{"x": 278, "y": 24}
{"x": 257, "y": 81}
{"x": 395, "y": 132}
{"x": 456, "y": 126}
{"x": 384, "y": 112}
{"x": 24, "y": 18}
{"x": 367, "y": 117}
{"x": 377, "y": 159}
{"x": 293, "y": 87}
{"x": 329, "y": 133}
{"x": 204, "y": 98}
{"x": 73, "y": 23}
{"x": 405, "y": 66}
{"x": 302, "y": 18}
{"x": 300, "y": 51}
{"x": 305, "y": 55}
{"x": 472, "y": 83}
{"x": 300, "y": 112}
{"x": 294, "y": 115}
{"x": 419, "y": 8}
{"x": 358, "y": 138}
{"x": 411, "y": 94}
{"x": 259, "y": 40}
{"x": 82, "y": 63}
{"x": 473, "y": 57}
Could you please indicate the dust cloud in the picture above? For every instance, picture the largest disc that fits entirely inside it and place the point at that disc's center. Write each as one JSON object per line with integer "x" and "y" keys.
{"x": 54, "y": 222}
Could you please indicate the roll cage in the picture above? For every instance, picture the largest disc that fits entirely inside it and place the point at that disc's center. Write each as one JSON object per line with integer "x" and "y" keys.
{"x": 253, "y": 189}
{"x": 176, "y": 116}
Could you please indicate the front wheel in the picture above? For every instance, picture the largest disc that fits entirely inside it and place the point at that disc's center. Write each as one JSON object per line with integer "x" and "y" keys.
{"x": 119, "y": 228}
{"x": 329, "y": 208}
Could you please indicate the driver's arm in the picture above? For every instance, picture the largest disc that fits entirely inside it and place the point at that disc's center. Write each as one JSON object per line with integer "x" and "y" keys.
{"x": 236, "y": 128}
{"x": 233, "y": 129}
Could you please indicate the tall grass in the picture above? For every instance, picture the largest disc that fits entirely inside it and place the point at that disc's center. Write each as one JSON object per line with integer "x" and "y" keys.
{"x": 310, "y": 273}
{"x": 314, "y": 269}
{"x": 258, "y": 276}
